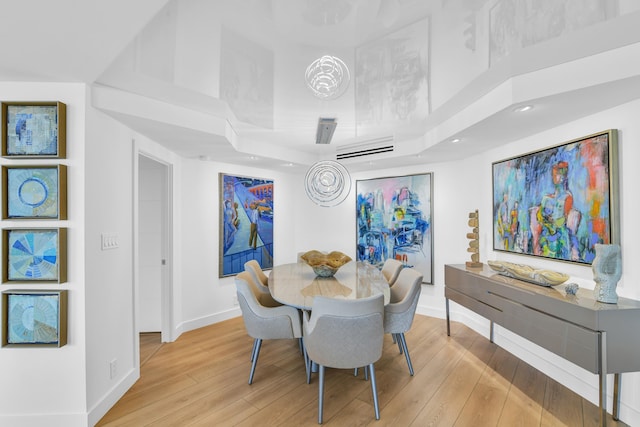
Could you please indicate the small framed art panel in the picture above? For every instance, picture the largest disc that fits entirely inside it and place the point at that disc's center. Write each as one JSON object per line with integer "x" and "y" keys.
{"x": 34, "y": 129}
{"x": 246, "y": 223}
{"x": 394, "y": 218}
{"x": 34, "y": 318}
{"x": 34, "y": 192}
{"x": 34, "y": 255}
{"x": 558, "y": 202}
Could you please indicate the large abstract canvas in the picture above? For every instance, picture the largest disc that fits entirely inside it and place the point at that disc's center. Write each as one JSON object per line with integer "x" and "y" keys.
{"x": 395, "y": 220}
{"x": 246, "y": 223}
{"x": 559, "y": 202}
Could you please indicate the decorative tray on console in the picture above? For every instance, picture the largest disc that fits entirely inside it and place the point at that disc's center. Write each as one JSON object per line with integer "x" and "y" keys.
{"x": 528, "y": 273}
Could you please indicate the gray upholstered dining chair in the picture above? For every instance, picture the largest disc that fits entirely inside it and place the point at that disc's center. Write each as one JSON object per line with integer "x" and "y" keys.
{"x": 390, "y": 270}
{"x": 264, "y": 322}
{"x": 344, "y": 334}
{"x": 262, "y": 294}
{"x": 399, "y": 313}
{"x": 253, "y": 267}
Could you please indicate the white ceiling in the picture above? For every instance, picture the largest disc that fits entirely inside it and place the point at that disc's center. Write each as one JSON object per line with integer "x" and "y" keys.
{"x": 76, "y": 41}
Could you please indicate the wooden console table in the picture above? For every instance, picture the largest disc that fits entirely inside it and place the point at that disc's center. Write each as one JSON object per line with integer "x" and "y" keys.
{"x": 601, "y": 338}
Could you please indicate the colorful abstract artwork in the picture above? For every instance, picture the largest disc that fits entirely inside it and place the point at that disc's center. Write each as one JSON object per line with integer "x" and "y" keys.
{"x": 35, "y": 317}
{"x": 246, "y": 223}
{"x": 34, "y": 192}
{"x": 34, "y": 255}
{"x": 559, "y": 202}
{"x": 395, "y": 220}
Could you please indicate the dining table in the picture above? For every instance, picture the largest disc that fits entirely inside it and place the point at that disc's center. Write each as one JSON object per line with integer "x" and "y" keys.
{"x": 296, "y": 284}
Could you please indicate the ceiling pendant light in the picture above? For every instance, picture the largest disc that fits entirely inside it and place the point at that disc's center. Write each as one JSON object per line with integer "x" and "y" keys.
{"x": 327, "y": 183}
{"x": 327, "y": 77}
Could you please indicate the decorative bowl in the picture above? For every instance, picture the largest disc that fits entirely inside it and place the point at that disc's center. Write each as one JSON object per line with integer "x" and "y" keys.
{"x": 325, "y": 265}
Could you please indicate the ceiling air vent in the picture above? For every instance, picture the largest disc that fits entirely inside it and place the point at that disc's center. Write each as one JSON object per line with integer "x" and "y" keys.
{"x": 326, "y": 127}
{"x": 366, "y": 148}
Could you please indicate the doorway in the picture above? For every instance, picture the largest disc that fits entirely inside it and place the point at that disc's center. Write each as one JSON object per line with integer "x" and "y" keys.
{"x": 154, "y": 231}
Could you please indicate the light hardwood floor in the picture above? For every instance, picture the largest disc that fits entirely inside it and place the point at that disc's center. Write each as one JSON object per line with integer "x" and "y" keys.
{"x": 462, "y": 380}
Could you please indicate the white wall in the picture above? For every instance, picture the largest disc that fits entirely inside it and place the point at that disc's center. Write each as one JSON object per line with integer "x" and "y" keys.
{"x": 208, "y": 298}
{"x": 47, "y": 385}
{"x": 109, "y": 273}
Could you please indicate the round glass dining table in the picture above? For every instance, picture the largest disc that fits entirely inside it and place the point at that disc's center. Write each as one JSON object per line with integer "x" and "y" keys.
{"x": 296, "y": 284}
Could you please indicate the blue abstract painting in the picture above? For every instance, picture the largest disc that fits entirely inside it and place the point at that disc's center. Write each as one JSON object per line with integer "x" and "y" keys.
{"x": 246, "y": 226}
{"x": 394, "y": 220}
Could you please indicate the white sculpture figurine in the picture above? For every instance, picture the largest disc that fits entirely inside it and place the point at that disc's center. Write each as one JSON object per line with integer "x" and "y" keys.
{"x": 607, "y": 269}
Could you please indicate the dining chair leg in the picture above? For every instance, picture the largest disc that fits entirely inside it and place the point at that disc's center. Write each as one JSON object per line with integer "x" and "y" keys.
{"x": 254, "y": 358}
{"x": 320, "y": 392}
{"x": 253, "y": 350}
{"x": 374, "y": 390}
{"x": 403, "y": 341}
{"x": 307, "y": 366}
{"x": 398, "y": 341}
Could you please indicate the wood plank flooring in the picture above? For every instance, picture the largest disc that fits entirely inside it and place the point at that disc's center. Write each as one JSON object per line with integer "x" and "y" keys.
{"x": 462, "y": 380}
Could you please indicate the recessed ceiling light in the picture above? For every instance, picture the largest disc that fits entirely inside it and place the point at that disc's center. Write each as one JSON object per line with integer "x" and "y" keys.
{"x": 253, "y": 158}
{"x": 289, "y": 164}
{"x": 455, "y": 140}
{"x": 523, "y": 108}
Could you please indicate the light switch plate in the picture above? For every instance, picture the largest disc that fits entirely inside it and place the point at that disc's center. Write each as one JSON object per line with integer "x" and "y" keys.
{"x": 110, "y": 241}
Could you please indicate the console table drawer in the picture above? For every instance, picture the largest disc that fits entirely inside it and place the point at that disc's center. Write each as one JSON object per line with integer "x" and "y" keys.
{"x": 565, "y": 339}
{"x": 474, "y": 305}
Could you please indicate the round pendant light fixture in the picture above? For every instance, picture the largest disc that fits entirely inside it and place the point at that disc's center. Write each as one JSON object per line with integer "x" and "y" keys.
{"x": 327, "y": 77}
{"x": 327, "y": 183}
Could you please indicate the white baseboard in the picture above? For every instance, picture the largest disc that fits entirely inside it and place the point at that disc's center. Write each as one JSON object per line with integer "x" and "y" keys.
{"x": 208, "y": 320}
{"x": 110, "y": 399}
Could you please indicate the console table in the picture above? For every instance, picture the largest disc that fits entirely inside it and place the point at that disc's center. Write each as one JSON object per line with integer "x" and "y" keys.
{"x": 601, "y": 338}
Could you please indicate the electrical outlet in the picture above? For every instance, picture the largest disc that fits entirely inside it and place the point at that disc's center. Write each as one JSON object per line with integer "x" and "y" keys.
{"x": 113, "y": 368}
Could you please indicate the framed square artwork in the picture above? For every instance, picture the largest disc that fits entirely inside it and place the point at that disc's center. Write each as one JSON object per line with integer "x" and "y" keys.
{"x": 394, "y": 218}
{"x": 246, "y": 223}
{"x": 34, "y": 318}
{"x": 558, "y": 202}
{"x": 34, "y": 129}
{"x": 34, "y": 255}
{"x": 36, "y": 192}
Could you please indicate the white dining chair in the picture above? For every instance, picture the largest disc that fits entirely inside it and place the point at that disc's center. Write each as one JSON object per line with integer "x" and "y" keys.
{"x": 264, "y": 322}
{"x": 399, "y": 313}
{"x": 390, "y": 270}
{"x": 253, "y": 267}
{"x": 344, "y": 334}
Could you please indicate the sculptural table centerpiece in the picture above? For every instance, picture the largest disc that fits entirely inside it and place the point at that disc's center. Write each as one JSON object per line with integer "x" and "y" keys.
{"x": 325, "y": 265}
